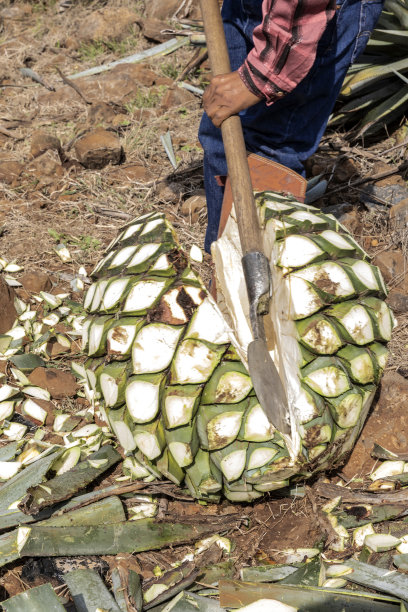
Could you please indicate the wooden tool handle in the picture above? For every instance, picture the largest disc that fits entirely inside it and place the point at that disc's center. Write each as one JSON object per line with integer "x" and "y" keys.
{"x": 232, "y": 135}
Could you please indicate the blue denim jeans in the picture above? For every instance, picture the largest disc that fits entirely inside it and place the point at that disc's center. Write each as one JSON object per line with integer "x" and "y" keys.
{"x": 288, "y": 131}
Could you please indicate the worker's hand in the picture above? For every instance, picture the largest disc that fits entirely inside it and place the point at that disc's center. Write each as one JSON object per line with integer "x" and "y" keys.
{"x": 226, "y": 95}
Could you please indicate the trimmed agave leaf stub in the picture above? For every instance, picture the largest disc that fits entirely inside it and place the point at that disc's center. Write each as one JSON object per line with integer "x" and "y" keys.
{"x": 169, "y": 364}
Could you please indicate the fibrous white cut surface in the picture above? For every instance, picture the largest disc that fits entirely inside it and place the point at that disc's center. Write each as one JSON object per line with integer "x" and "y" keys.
{"x": 178, "y": 409}
{"x": 257, "y": 426}
{"x": 122, "y": 256}
{"x": 145, "y": 252}
{"x": 298, "y": 251}
{"x": 142, "y": 295}
{"x": 154, "y": 347}
{"x": 142, "y": 400}
{"x": 208, "y": 324}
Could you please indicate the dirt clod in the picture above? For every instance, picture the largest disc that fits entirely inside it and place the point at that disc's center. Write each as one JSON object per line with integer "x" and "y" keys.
{"x": 60, "y": 384}
{"x": 36, "y": 281}
{"x": 7, "y": 309}
{"x": 107, "y": 24}
{"x": 98, "y": 149}
{"x": 10, "y": 171}
{"x": 42, "y": 142}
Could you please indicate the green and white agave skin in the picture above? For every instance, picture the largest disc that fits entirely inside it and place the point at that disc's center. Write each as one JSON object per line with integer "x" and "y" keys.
{"x": 168, "y": 365}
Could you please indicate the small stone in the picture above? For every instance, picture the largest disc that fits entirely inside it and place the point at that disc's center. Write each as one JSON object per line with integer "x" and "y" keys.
{"x": 71, "y": 43}
{"x": 345, "y": 170}
{"x": 169, "y": 192}
{"x": 137, "y": 72}
{"x": 130, "y": 174}
{"x": 60, "y": 384}
{"x": 176, "y": 96}
{"x": 107, "y": 24}
{"x": 399, "y": 214}
{"x": 374, "y": 242}
{"x": 154, "y": 29}
{"x": 54, "y": 349}
{"x": 98, "y": 149}
{"x": 10, "y": 171}
{"x": 162, "y": 9}
{"x": 398, "y": 301}
{"x": 394, "y": 268}
{"x": 36, "y": 281}
{"x": 46, "y": 168}
{"x": 373, "y": 196}
{"x": 7, "y": 309}
{"x": 193, "y": 206}
{"x": 42, "y": 142}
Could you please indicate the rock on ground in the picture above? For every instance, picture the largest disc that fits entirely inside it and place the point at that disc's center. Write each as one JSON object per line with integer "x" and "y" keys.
{"x": 42, "y": 142}
{"x": 8, "y": 313}
{"x": 107, "y": 24}
{"x": 98, "y": 149}
{"x": 192, "y": 207}
{"x": 36, "y": 281}
{"x": 60, "y": 384}
{"x": 10, "y": 171}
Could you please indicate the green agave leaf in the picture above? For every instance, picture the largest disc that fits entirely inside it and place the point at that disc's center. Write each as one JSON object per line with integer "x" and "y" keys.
{"x": 384, "y": 112}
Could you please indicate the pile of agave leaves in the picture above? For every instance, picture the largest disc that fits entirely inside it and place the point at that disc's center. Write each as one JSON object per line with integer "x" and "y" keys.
{"x": 375, "y": 91}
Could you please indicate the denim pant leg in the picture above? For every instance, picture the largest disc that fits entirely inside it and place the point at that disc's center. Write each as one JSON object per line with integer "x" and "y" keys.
{"x": 288, "y": 131}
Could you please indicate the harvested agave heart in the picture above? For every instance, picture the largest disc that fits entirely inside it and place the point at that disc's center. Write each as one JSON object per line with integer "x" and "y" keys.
{"x": 169, "y": 365}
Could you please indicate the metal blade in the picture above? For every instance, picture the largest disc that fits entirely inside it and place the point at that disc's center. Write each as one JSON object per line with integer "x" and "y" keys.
{"x": 268, "y": 385}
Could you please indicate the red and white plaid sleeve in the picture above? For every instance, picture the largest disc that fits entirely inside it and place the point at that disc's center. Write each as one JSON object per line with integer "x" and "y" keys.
{"x": 285, "y": 45}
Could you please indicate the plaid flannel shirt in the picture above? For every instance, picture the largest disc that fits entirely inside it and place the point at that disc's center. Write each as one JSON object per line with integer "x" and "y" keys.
{"x": 285, "y": 45}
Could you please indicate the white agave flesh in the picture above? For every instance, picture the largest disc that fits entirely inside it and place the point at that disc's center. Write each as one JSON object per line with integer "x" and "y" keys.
{"x": 11, "y": 281}
{"x": 122, "y": 257}
{"x": 233, "y": 464}
{"x": 359, "y": 325}
{"x": 388, "y": 468}
{"x": 28, "y": 315}
{"x": 152, "y": 225}
{"x": 37, "y": 392}
{"x": 86, "y": 431}
{"x": 360, "y": 533}
{"x": 114, "y": 291}
{"x": 261, "y": 456}
{"x": 323, "y": 338}
{"x": 110, "y": 389}
{"x": 223, "y": 429}
{"x": 331, "y": 273}
{"x": 304, "y": 300}
{"x": 126, "y": 439}
{"x": 52, "y": 319}
{"x": 143, "y": 295}
{"x": 170, "y": 300}
{"x": 178, "y": 410}
{"x": 329, "y": 381}
{"x": 193, "y": 363}
{"x": 120, "y": 338}
{"x": 364, "y": 272}
{"x": 181, "y": 453}
{"x": 97, "y": 296}
{"x": 142, "y": 400}
{"x": 305, "y": 407}
{"x": 257, "y": 427}
{"x": 95, "y": 334}
{"x": 6, "y": 409}
{"x": 163, "y": 263}
{"x": 148, "y": 444}
{"x": 131, "y": 231}
{"x": 337, "y": 240}
{"x": 297, "y": 251}
{"x": 15, "y": 431}
{"x": 196, "y": 254}
{"x": 7, "y": 391}
{"x": 32, "y": 409}
{"x": 304, "y": 215}
{"x": 8, "y": 469}
{"x": 154, "y": 347}
{"x": 208, "y": 324}
{"x": 17, "y": 333}
{"x": 145, "y": 252}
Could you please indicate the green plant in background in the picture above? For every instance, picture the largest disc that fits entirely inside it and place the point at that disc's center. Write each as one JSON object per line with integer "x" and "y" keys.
{"x": 375, "y": 91}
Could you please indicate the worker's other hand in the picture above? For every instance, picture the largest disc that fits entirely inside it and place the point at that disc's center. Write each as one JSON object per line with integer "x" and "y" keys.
{"x": 227, "y": 95}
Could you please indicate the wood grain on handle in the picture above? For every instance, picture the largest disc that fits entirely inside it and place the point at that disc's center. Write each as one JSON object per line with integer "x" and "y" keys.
{"x": 232, "y": 135}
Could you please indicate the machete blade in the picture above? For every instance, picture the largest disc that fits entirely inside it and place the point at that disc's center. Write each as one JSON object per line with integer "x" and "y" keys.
{"x": 268, "y": 385}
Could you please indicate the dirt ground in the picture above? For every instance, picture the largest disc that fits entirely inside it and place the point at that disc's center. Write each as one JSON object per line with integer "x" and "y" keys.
{"x": 47, "y": 195}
